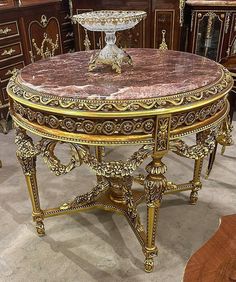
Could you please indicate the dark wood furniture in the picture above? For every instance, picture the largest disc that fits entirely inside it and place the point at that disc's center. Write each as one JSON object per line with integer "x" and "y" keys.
{"x": 210, "y": 31}
{"x": 162, "y": 15}
{"x": 216, "y": 260}
{"x": 32, "y": 31}
{"x": 211, "y": 28}
{"x": 230, "y": 64}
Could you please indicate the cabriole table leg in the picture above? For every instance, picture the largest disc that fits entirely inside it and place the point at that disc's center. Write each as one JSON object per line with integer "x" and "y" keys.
{"x": 26, "y": 154}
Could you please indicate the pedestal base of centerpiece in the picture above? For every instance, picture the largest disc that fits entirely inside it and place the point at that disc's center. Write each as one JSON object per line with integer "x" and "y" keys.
{"x": 110, "y": 55}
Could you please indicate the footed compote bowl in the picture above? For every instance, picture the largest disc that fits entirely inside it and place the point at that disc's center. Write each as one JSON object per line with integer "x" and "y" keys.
{"x": 110, "y": 21}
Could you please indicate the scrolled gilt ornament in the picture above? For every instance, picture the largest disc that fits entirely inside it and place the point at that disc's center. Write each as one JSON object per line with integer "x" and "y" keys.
{"x": 47, "y": 48}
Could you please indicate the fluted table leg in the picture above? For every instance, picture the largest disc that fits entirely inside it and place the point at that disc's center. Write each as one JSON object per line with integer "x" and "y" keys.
{"x": 154, "y": 185}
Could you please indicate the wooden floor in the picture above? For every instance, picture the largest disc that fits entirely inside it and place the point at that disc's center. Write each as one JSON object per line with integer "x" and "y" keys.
{"x": 216, "y": 260}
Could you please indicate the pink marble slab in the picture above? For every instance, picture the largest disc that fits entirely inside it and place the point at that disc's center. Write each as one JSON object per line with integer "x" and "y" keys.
{"x": 154, "y": 73}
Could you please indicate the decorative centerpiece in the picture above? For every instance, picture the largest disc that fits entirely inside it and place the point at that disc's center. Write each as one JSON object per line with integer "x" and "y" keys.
{"x": 110, "y": 21}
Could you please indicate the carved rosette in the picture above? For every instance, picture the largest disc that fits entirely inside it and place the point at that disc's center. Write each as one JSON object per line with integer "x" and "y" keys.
{"x": 88, "y": 126}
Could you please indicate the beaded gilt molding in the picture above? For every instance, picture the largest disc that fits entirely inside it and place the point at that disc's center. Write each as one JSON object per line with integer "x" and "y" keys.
{"x": 222, "y": 86}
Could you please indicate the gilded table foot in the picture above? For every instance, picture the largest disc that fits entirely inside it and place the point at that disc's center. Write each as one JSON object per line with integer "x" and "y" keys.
{"x": 149, "y": 264}
{"x": 150, "y": 254}
{"x": 193, "y": 198}
{"x": 39, "y": 226}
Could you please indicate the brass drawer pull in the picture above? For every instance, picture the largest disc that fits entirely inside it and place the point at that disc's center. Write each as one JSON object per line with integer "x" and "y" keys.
{"x": 5, "y": 30}
{"x": 11, "y": 72}
{"x": 67, "y": 17}
{"x": 8, "y": 52}
{"x": 70, "y": 34}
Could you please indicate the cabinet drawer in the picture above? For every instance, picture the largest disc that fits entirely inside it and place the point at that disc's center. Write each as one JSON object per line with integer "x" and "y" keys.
{"x": 7, "y": 72}
{"x": 10, "y": 51}
{"x": 8, "y": 30}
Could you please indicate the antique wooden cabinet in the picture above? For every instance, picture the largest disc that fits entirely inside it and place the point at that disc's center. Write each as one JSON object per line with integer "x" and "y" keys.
{"x": 164, "y": 19}
{"x": 30, "y": 32}
{"x": 212, "y": 28}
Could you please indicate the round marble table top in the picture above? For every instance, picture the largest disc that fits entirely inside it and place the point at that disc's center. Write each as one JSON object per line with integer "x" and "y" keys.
{"x": 155, "y": 73}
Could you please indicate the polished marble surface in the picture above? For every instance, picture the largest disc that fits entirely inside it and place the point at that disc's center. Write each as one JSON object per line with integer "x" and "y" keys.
{"x": 154, "y": 73}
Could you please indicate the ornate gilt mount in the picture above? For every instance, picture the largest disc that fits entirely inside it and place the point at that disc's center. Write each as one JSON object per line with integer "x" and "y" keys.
{"x": 163, "y": 45}
{"x": 87, "y": 42}
{"x": 224, "y": 137}
{"x": 47, "y": 48}
{"x": 5, "y": 31}
{"x": 181, "y": 11}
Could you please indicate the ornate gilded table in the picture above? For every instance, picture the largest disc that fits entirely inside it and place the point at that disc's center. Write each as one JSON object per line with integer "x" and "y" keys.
{"x": 163, "y": 97}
